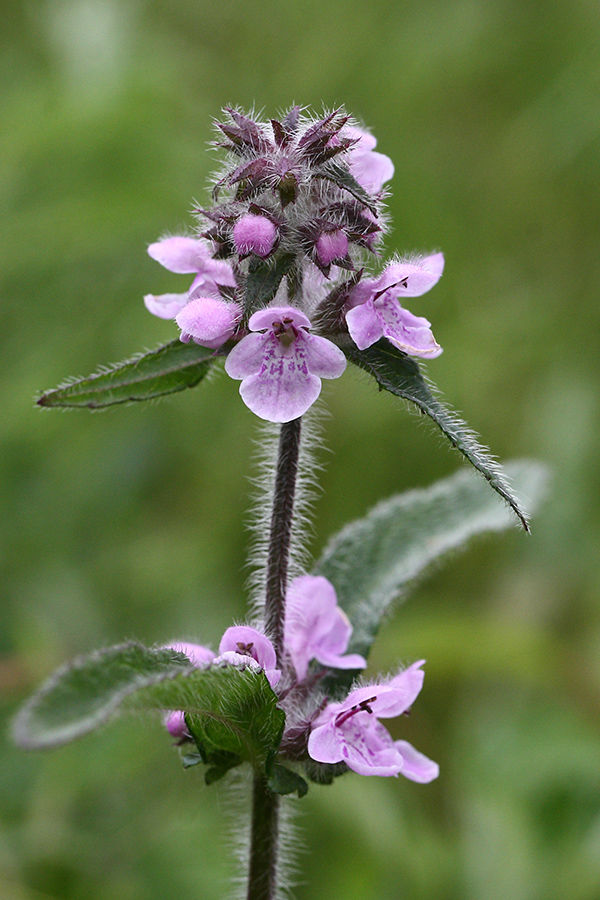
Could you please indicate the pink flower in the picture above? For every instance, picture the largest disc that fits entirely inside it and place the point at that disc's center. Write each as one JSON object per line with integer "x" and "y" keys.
{"x": 281, "y": 364}
{"x": 371, "y": 169}
{"x": 254, "y": 234}
{"x": 193, "y": 256}
{"x": 376, "y": 310}
{"x": 245, "y": 646}
{"x": 316, "y": 627}
{"x": 350, "y": 731}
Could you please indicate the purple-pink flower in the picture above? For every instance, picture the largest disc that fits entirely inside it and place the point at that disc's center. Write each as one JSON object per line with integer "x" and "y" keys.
{"x": 350, "y": 731}
{"x": 281, "y": 364}
{"x": 370, "y": 168}
{"x": 376, "y": 310}
{"x": 209, "y": 320}
{"x": 316, "y": 627}
{"x": 240, "y": 646}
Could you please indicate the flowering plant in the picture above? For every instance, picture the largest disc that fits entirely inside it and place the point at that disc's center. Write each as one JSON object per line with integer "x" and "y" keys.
{"x": 287, "y": 290}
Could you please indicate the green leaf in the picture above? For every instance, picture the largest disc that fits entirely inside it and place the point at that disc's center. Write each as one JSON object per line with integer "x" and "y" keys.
{"x": 170, "y": 368}
{"x": 231, "y": 712}
{"x": 399, "y": 374}
{"x": 264, "y": 278}
{"x": 284, "y": 781}
{"x": 82, "y": 695}
{"x": 371, "y": 561}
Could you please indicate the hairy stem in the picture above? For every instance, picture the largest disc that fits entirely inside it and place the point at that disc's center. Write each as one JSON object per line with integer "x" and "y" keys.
{"x": 280, "y": 535}
{"x": 264, "y": 828}
{"x": 262, "y": 877}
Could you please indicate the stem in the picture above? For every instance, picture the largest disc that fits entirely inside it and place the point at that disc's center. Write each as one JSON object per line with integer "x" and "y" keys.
{"x": 280, "y": 536}
{"x": 262, "y": 877}
{"x": 264, "y": 828}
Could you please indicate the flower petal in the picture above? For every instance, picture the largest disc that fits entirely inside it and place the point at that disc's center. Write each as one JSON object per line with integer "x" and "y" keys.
{"x": 246, "y": 357}
{"x": 412, "y": 279}
{"x": 325, "y": 745}
{"x": 370, "y": 750}
{"x": 409, "y": 682}
{"x": 165, "y": 306}
{"x": 371, "y": 170}
{"x": 315, "y": 627}
{"x": 416, "y": 766}
{"x": 197, "y": 654}
{"x": 265, "y": 318}
{"x": 411, "y": 334}
{"x": 324, "y": 358}
{"x": 340, "y": 661}
{"x": 364, "y": 325}
{"x": 284, "y": 388}
{"x": 180, "y": 254}
{"x": 259, "y": 646}
{"x": 215, "y": 273}
{"x": 281, "y": 392}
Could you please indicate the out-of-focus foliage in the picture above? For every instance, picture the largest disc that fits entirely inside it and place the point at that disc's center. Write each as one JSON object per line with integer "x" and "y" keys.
{"x": 129, "y": 523}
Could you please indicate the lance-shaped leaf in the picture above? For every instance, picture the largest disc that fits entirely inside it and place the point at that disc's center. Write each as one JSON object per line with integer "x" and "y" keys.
{"x": 170, "y": 368}
{"x": 232, "y": 712}
{"x": 371, "y": 561}
{"x": 82, "y": 695}
{"x": 399, "y": 374}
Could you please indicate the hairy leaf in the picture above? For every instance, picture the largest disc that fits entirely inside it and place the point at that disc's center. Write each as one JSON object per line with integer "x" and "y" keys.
{"x": 231, "y": 712}
{"x": 82, "y": 695}
{"x": 399, "y": 374}
{"x": 170, "y": 368}
{"x": 371, "y": 561}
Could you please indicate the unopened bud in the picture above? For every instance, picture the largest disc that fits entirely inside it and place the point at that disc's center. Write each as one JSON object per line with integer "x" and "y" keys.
{"x": 254, "y": 234}
{"x": 331, "y": 245}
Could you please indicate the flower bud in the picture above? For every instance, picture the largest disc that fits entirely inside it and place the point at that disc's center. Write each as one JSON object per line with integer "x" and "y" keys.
{"x": 254, "y": 234}
{"x": 330, "y": 246}
{"x": 208, "y": 321}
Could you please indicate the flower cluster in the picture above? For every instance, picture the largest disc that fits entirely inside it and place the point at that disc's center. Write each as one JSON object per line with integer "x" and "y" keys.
{"x": 281, "y": 263}
{"x": 316, "y": 629}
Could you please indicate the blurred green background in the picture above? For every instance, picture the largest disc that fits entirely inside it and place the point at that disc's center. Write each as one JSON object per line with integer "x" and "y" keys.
{"x": 131, "y": 523}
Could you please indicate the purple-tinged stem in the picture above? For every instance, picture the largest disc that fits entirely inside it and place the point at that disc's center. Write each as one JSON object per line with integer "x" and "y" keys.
{"x": 264, "y": 828}
{"x": 280, "y": 536}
